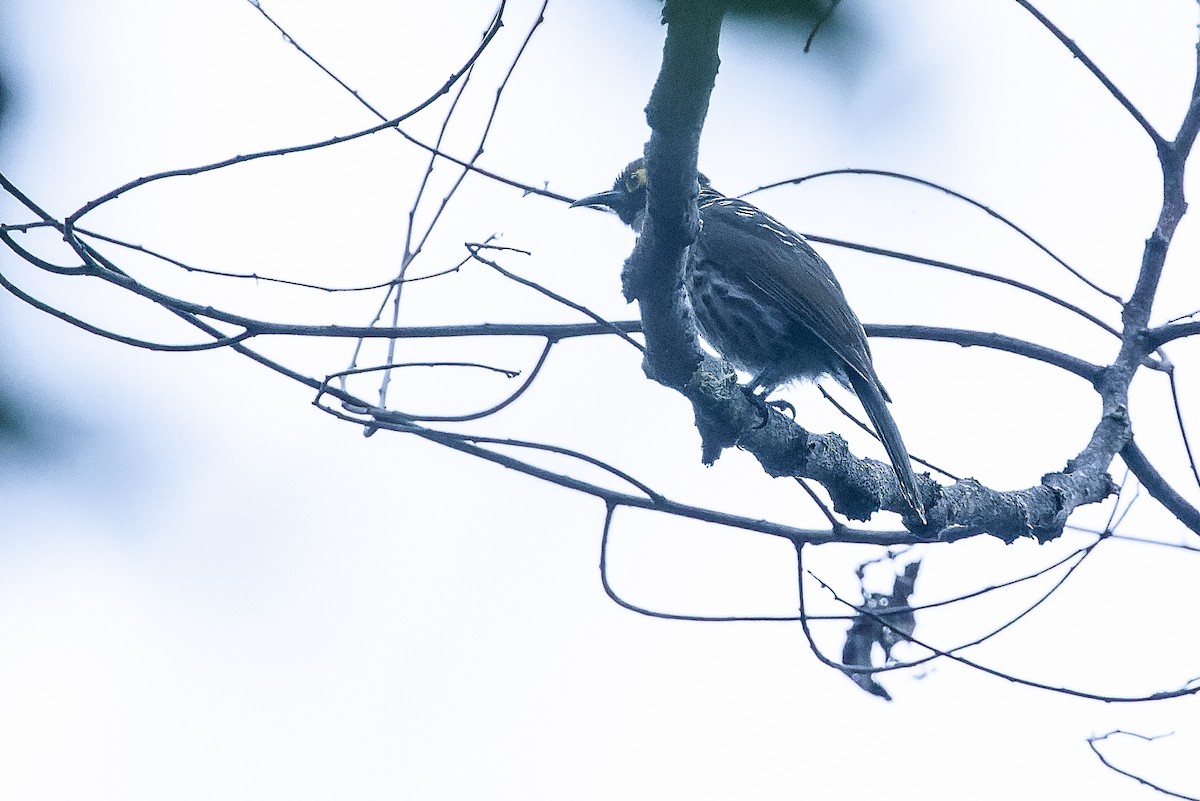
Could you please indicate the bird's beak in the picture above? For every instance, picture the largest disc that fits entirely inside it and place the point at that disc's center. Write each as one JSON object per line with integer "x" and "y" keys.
{"x": 602, "y": 200}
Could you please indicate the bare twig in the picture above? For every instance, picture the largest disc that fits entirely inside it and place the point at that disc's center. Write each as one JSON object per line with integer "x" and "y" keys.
{"x": 1091, "y": 741}
{"x": 952, "y": 193}
{"x": 1083, "y": 58}
{"x": 955, "y": 268}
{"x": 1183, "y": 691}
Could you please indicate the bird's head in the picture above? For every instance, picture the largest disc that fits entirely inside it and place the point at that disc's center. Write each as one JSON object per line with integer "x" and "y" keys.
{"x": 627, "y": 198}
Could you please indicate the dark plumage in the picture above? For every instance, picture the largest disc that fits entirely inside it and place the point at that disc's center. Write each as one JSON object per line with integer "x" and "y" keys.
{"x": 767, "y": 302}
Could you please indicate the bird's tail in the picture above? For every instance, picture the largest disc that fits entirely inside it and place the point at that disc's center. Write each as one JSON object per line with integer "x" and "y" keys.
{"x": 870, "y": 394}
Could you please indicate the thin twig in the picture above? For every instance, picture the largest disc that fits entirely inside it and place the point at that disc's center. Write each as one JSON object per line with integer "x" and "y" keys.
{"x": 1158, "y": 696}
{"x": 945, "y": 265}
{"x": 1091, "y": 741}
{"x": 952, "y": 193}
{"x": 1183, "y": 434}
{"x": 1083, "y": 58}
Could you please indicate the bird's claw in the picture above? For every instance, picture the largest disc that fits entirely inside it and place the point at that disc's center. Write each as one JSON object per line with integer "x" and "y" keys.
{"x": 783, "y": 406}
{"x": 764, "y": 406}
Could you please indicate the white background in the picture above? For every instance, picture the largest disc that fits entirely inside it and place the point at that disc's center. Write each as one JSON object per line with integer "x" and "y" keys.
{"x": 210, "y": 589}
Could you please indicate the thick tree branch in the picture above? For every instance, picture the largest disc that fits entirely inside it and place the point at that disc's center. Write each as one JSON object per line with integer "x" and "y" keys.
{"x": 653, "y": 274}
{"x": 725, "y": 417}
{"x": 1157, "y": 337}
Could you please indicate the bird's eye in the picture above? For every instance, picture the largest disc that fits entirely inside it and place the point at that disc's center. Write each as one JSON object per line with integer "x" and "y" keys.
{"x": 636, "y": 180}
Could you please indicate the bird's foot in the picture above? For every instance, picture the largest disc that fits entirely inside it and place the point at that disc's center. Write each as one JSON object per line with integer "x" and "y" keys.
{"x": 783, "y": 407}
{"x": 758, "y": 398}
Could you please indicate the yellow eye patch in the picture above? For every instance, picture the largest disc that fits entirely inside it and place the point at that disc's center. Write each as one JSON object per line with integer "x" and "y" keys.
{"x": 635, "y": 180}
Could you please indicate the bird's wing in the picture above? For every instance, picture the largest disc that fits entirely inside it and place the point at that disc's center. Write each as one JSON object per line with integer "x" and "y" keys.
{"x": 778, "y": 262}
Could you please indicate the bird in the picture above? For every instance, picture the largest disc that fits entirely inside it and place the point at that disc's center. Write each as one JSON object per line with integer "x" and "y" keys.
{"x": 769, "y": 304}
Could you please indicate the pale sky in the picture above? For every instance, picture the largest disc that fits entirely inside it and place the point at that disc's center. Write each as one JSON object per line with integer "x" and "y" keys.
{"x": 219, "y": 592}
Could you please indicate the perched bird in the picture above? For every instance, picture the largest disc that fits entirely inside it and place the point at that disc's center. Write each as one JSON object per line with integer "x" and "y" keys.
{"x": 765, "y": 300}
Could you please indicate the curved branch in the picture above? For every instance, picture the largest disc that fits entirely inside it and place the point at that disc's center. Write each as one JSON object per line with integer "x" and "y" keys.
{"x": 1157, "y": 337}
{"x": 458, "y": 418}
{"x": 1091, "y": 741}
{"x": 528, "y": 189}
{"x": 727, "y": 418}
{"x": 113, "y": 194}
{"x": 1184, "y": 439}
{"x": 468, "y": 443}
{"x": 218, "y": 342}
{"x": 474, "y": 249}
{"x": 1164, "y": 695}
{"x": 952, "y": 193}
{"x": 1158, "y": 487}
{"x": 610, "y": 510}
{"x": 470, "y": 166}
{"x": 268, "y": 279}
{"x": 254, "y": 327}
{"x": 945, "y": 265}
{"x": 30, "y": 258}
{"x": 493, "y": 29}
{"x": 959, "y": 336}
{"x": 881, "y": 616}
